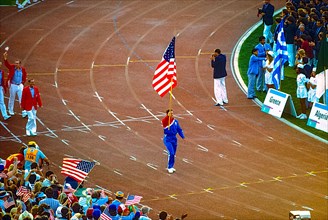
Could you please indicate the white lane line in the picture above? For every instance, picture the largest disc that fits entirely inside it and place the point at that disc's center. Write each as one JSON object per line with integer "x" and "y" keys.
{"x": 187, "y": 160}
{"x": 72, "y": 113}
{"x": 236, "y": 143}
{"x": 153, "y": 166}
{"x": 144, "y": 107}
{"x": 101, "y": 137}
{"x": 201, "y": 148}
{"x": 118, "y": 172}
{"x": 65, "y": 142}
{"x": 99, "y": 97}
{"x": 211, "y": 127}
{"x": 55, "y": 135}
{"x": 19, "y": 141}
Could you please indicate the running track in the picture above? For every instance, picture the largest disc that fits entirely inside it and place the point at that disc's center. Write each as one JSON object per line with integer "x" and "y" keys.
{"x": 94, "y": 61}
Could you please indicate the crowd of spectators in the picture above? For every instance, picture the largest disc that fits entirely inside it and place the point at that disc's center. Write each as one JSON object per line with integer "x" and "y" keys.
{"x": 29, "y": 189}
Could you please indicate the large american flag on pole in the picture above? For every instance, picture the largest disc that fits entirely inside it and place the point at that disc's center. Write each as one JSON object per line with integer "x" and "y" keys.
{"x": 165, "y": 76}
{"x": 281, "y": 56}
{"x": 76, "y": 168}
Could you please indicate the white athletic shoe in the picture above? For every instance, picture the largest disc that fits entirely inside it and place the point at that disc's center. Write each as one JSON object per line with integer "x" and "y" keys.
{"x": 303, "y": 116}
{"x": 171, "y": 170}
{"x": 19, "y": 6}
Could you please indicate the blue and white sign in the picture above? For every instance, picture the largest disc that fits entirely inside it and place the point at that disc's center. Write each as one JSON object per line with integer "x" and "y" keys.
{"x": 319, "y": 117}
{"x": 275, "y": 101}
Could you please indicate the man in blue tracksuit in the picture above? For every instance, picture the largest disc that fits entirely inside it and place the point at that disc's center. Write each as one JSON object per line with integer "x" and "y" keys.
{"x": 171, "y": 129}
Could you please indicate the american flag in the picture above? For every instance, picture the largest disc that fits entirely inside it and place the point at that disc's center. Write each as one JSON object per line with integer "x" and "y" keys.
{"x": 104, "y": 216}
{"x": 76, "y": 168}
{"x": 131, "y": 200}
{"x": 9, "y": 202}
{"x": 280, "y": 58}
{"x": 165, "y": 76}
{"x": 24, "y": 192}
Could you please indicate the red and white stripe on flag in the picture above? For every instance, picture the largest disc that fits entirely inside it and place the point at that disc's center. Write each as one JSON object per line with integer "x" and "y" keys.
{"x": 165, "y": 77}
{"x": 103, "y": 216}
{"x": 24, "y": 192}
{"x": 76, "y": 168}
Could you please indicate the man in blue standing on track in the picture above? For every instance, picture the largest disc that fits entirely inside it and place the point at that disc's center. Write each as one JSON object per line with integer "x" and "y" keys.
{"x": 171, "y": 129}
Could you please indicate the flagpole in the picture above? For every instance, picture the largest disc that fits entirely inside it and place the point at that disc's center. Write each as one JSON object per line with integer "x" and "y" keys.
{"x": 280, "y": 74}
{"x": 170, "y": 101}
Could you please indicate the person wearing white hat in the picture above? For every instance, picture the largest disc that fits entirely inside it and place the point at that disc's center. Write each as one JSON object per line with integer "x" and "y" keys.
{"x": 268, "y": 68}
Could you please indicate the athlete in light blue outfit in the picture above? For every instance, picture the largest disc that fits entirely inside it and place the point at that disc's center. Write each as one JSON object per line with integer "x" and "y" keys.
{"x": 171, "y": 129}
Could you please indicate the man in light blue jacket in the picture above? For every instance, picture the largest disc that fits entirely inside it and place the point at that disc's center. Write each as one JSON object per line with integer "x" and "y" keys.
{"x": 253, "y": 71}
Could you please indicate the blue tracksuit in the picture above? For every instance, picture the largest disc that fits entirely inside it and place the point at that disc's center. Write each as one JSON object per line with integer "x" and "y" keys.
{"x": 170, "y": 140}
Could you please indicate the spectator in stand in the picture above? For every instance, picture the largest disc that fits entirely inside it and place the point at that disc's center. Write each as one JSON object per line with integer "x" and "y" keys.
{"x": 308, "y": 48}
{"x": 318, "y": 28}
{"x": 3, "y": 90}
{"x": 290, "y": 32}
{"x": 300, "y": 31}
{"x": 30, "y": 102}
{"x": 267, "y": 16}
{"x": 119, "y": 199}
{"x": 317, "y": 48}
{"x": 50, "y": 178}
{"x": 145, "y": 211}
{"x": 99, "y": 197}
{"x": 5, "y": 174}
{"x": 53, "y": 203}
{"x": 163, "y": 215}
{"x": 262, "y": 49}
{"x": 19, "y": 156}
{"x": 16, "y": 80}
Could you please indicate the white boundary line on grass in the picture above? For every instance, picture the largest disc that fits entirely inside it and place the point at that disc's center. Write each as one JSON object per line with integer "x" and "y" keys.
{"x": 237, "y": 76}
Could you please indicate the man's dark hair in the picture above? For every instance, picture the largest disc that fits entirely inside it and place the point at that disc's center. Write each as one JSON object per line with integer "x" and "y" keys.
{"x": 253, "y": 50}
{"x": 218, "y": 51}
{"x": 34, "y": 165}
{"x": 162, "y": 215}
{"x": 49, "y": 192}
{"x": 261, "y": 38}
{"x": 48, "y": 173}
{"x": 167, "y": 111}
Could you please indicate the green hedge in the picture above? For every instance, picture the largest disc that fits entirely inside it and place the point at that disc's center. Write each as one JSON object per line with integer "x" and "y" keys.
{"x": 7, "y": 2}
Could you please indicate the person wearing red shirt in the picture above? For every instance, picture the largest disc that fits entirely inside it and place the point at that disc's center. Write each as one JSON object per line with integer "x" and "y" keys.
{"x": 31, "y": 100}
{"x": 20, "y": 159}
{"x": 3, "y": 90}
{"x": 308, "y": 48}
